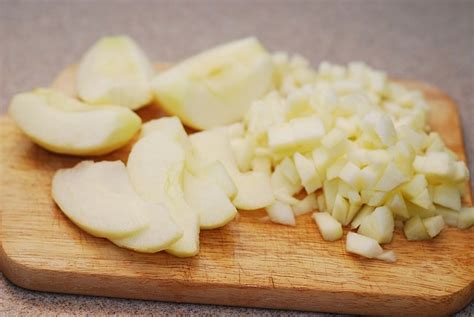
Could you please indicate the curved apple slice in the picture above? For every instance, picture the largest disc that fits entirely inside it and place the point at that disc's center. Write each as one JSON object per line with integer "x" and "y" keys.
{"x": 159, "y": 235}
{"x": 115, "y": 71}
{"x": 217, "y": 86}
{"x": 156, "y": 165}
{"x": 64, "y": 125}
{"x": 99, "y": 198}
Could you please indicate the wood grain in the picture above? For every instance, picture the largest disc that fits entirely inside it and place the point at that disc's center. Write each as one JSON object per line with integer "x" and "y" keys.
{"x": 246, "y": 263}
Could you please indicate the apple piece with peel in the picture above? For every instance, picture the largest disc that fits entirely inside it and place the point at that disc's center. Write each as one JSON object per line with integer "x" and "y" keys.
{"x": 281, "y": 213}
{"x": 64, "y": 125}
{"x": 115, "y": 71}
{"x": 330, "y": 228}
{"x": 216, "y": 87}
{"x": 209, "y": 201}
{"x": 362, "y": 245}
{"x": 156, "y": 165}
{"x": 99, "y": 198}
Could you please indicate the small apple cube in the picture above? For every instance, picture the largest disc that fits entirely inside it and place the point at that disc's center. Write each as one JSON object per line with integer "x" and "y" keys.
{"x": 415, "y": 186}
{"x": 281, "y": 213}
{"x": 447, "y": 196}
{"x": 362, "y": 245}
{"x": 243, "y": 149}
{"x": 435, "y": 165}
{"x": 262, "y": 164}
{"x": 414, "y": 229}
{"x": 450, "y": 217}
{"x": 379, "y": 225}
{"x": 363, "y": 212}
{"x": 341, "y": 209}
{"x": 329, "y": 227}
{"x": 330, "y": 190}
{"x": 306, "y": 205}
{"x": 351, "y": 174}
{"x": 398, "y": 206}
{"x": 391, "y": 178}
{"x": 433, "y": 225}
{"x": 466, "y": 217}
{"x": 310, "y": 178}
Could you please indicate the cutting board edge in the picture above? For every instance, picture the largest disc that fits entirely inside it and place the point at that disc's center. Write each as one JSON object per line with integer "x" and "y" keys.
{"x": 33, "y": 278}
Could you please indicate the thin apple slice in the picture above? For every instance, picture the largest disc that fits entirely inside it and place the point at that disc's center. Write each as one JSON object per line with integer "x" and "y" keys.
{"x": 156, "y": 165}
{"x": 64, "y": 125}
{"x": 209, "y": 201}
{"x": 99, "y": 198}
{"x": 159, "y": 235}
{"x": 115, "y": 71}
{"x": 217, "y": 86}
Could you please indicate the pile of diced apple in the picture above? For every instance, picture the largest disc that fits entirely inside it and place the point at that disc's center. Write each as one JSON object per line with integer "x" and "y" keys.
{"x": 276, "y": 135}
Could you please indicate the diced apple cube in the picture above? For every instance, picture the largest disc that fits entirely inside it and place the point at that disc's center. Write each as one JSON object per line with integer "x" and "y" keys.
{"x": 373, "y": 198}
{"x": 461, "y": 173}
{"x": 321, "y": 202}
{"x": 363, "y": 212}
{"x": 310, "y": 178}
{"x": 334, "y": 137}
{"x": 433, "y": 225}
{"x": 262, "y": 164}
{"x": 450, "y": 217}
{"x": 447, "y": 196}
{"x": 391, "y": 178}
{"x": 415, "y": 210}
{"x": 353, "y": 210}
{"x": 330, "y": 189}
{"x": 466, "y": 217}
{"x": 362, "y": 245}
{"x": 437, "y": 165}
{"x": 415, "y": 186}
{"x": 329, "y": 227}
{"x": 414, "y": 229}
{"x": 281, "y": 184}
{"x": 322, "y": 159}
{"x": 341, "y": 209}
{"x": 335, "y": 169}
{"x": 307, "y": 130}
{"x": 254, "y": 191}
{"x": 351, "y": 174}
{"x": 306, "y": 205}
{"x": 243, "y": 150}
{"x": 398, "y": 206}
{"x": 369, "y": 176}
{"x": 379, "y": 225}
{"x": 423, "y": 200}
{"x": 281, "y": 213}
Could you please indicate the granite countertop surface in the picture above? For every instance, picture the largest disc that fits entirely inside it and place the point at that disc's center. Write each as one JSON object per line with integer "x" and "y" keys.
{"x": 428, "y": 40}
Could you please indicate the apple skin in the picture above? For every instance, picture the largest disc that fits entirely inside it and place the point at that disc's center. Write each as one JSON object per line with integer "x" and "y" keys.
{"x": 64, "y": 125}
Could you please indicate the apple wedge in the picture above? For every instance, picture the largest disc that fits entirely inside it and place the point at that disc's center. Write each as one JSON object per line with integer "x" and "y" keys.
{"x": 99, "y": 198}
{"x": 217, "y": 86}
{"x": 156, "y": 165}
{"x": 64, "y": 125}
{"x": 115, "y": 71}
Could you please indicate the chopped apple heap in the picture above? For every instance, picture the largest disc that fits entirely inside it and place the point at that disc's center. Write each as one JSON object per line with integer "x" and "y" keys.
{"x": 356, "y": 144}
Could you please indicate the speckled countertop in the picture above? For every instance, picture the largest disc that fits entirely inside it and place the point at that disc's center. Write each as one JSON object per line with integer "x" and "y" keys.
{"x": 421, "y": 39}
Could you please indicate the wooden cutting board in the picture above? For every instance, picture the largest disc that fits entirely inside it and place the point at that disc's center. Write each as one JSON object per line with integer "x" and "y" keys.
{"x": 249, "y": 262}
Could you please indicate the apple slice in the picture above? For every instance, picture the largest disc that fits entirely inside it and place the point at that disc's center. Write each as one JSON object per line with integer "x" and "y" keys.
{"x": 217, "y": 86}
{"x": 156, "y": 165}
{"x": 170, "y": 126}
{"x": 99, "y": 198}
{"x": 215, "y": 172}
{"x": 64, "y": 125}
{"x": 209, "y": 201}
{"x": 115, "y": 71}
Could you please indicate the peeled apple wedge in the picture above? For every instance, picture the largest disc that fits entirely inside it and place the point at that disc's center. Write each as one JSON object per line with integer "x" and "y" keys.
{"x": 216, "y": 87}
{"x": 64, "y": 125}
{"x": 209, "y": 201}
{"x": 156, "y": 166}
{"x": 99, "y": 198}
{"x": 115, "y": 71}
